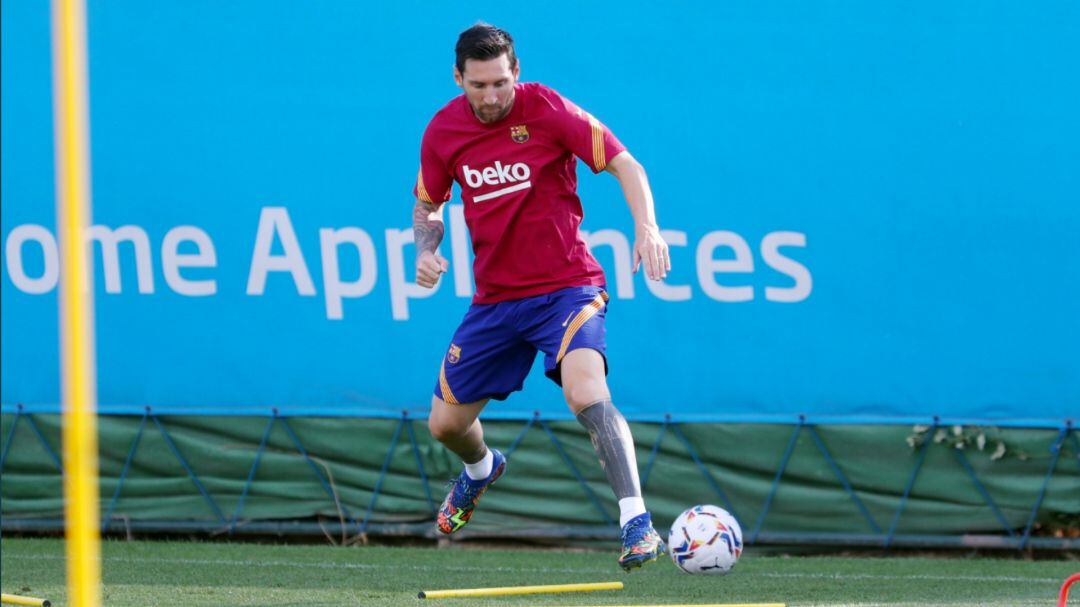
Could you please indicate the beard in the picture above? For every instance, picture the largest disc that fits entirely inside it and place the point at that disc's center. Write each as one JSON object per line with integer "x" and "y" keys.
{"x": 493, "y": 114}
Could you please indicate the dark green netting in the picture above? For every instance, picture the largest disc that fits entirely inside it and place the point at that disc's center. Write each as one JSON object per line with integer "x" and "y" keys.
{"x": 738, "y": 465}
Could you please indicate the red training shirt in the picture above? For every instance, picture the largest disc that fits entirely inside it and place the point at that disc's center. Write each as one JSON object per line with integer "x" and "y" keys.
{"x": 518, "y": 183}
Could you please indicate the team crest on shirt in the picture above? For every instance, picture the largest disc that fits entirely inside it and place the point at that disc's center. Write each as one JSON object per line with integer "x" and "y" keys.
{"x": 454, "y": 354}
{"x": 519, "y": 133}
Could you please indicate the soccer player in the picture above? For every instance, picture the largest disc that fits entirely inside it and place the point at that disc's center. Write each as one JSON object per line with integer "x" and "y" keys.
{"x": 511, "y": 147}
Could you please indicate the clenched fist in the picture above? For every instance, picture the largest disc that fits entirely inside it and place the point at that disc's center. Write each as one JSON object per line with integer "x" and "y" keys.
{"x": 429, "y": 266}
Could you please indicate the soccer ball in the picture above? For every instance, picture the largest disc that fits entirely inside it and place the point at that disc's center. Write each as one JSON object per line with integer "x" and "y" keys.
{"x": 705, "y": 539}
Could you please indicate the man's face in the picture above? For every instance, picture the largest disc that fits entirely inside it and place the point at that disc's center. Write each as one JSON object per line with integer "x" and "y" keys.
{"x": 489, "y": 86}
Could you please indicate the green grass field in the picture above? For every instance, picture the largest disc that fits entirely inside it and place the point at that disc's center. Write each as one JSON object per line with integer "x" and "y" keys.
{"x": 224, "y": 574}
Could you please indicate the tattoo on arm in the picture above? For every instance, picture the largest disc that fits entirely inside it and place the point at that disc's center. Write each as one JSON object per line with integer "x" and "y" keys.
{"x": 428, "y": 226}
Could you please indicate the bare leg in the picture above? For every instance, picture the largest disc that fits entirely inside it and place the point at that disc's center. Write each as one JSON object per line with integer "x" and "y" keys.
{"x": 583, "y": 379}
{"x": 457, "y": 427}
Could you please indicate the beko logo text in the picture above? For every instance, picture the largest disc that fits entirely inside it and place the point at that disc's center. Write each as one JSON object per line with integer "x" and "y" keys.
{"x": 496, "y": 174}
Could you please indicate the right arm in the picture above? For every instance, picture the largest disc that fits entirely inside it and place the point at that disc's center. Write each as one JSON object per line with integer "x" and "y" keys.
{"x": 428, "y": 230}
{"x": 432, "y": 191}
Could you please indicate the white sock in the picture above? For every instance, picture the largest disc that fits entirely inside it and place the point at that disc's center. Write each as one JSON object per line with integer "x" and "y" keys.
{"x": 481, "y": 469}
{"x": 629, "y": 507}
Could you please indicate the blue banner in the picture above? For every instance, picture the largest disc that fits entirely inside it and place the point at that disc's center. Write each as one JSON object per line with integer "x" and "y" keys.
{"x": 872, "y": 207}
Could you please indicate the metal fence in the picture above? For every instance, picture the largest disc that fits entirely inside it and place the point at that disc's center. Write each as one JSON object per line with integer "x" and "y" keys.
{"x": 881, "y": 535}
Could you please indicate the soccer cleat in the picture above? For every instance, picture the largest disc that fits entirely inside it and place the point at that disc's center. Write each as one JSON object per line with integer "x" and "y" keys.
{"x": 457, "y": 508}
{"x": 641, "y": 543}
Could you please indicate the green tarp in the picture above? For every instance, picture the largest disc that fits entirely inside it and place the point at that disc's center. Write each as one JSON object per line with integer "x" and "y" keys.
{"x": 540, "y": 490}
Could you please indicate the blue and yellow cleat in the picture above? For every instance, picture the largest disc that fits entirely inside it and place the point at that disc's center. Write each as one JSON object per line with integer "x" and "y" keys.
{"x": 641, "y": 543}
{"x": 457, "y": 508}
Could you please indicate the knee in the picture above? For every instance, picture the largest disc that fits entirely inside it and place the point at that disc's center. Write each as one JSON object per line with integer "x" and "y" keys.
{"x": 444, "y": 428}
{"x": 581, "y": 394}
{"x": 583, "y": 379}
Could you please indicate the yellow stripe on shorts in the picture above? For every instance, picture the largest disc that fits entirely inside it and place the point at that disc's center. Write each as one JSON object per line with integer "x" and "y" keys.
{"x": 447, "y": 395}
{"x": 588, "y": 311}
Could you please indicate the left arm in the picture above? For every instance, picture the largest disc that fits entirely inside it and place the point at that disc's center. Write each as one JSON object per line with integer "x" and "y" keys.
{"x": 649, "y": 246}
{"x": 592, "y": 142}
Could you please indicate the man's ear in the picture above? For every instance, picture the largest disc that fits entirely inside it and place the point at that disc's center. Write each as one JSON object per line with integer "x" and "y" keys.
{"x": 457, "y": 77}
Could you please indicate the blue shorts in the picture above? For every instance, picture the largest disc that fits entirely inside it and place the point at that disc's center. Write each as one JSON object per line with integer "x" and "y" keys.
{"x": 494, "y": 347}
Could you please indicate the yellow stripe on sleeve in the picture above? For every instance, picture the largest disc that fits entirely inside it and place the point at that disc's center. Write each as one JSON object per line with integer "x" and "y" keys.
{"x": 599, "y": 160}
{"x": 420, "y": 189}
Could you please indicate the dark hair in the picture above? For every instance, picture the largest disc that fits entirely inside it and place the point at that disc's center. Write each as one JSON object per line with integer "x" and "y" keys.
{"x": 484, "y": 41}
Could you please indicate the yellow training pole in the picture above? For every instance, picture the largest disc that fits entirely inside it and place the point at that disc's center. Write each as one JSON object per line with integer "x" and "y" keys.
{"x": 510, "y": 590}
{"x": 72, "y": 150}
{"x": 14, "y": 599}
